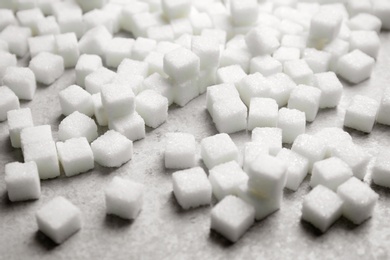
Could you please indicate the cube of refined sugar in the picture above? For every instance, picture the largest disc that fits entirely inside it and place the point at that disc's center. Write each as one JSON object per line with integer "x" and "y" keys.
{"x": 206, "y": 79}
{"x": 297, "y": 167}
{"x": 22, "y": 181}
{"x": 233, "y": 56}
{"x": 8, "y": 102}
{"x": 77, "y": 125}
{"x": 124, "y": 198}
{"x": 21, "y": 81}
{"x": 191, "y": 188}
{"x": 306, "y": 99}
{"x": 299, "y": 71}
{"x": 218, "y": 149}
{"x": 112, "y": 149}
{"x": 266, "y": 65}
{"x": 263, "y": 112}
{"x": 59, "y": 219}
{"x": 155, "y": 61}
{"x": 270, "y": 137}
{"x": 325, "y": 26}
{"x": 47, "y": 67}
{"x": 332, "y": 137}
{"x": 200, "y": 21}
{"x": 219, "y": 92}
{"x": 67, "y": 48}
{"x": 140, "y": 22}
{"x": 358, "y": 200}
{"x": 95, "y": 80}
{"x": 75, "y": 98}
{"x": 46, "y": 6}
{"x": 354, "y": 156}
{"x": 283, "y": 54}
{"x": 318, "y": 61}
{"x": 7, "y": 17}
{"x": 86, "y": 64}
{"x": 65, "y": 7}
{"x": 132, "y": 126}
{"x": 16, "y": 37}
{"x": 244, "y": 12}
{"x": 128, "y": 10}
{"x": 98, "y": 17}
{"x": 253, "y": 85}
{"x": 292, "y": 122}
{"x": 227, "y": 111}
{"x": 208, "y": 51}
{"x": 355, "y": 66}
{"x": 161, "y": 85}
{"x": 181, "y": 65}
{"x": 295, "y": 41}
{"x": 361, "y": 113}
{"x": 237, "y": 42}
{"x": 118, "y": 100}
{"x": 330, "y": 87}
{"x": 180, "y": 151}
{"x": 175, "y": 9}
{"x": 230, "y": 74}
{"x": 381, "y": 9}
{"x": 142, "y": 47}
{"x": 75, "y": 156}
{"x": 232, "y": 217}
{"x": 152, "y": 107}
{"x": 29, "y": 18}
{"x": 365, "y": 22}
{"x": 185, "y": 92}
{"x": 366, "y": 41}
{"x": 225, "y": 179}
{"x": 160, "y": 33}
{"x": 133, "y": 67}
{"x": 311, "y": 147}
{"x": 357, "y": 7}
{"x": 260, "y": 42}
{"x": 331, "y": 173}
{"x": 321, "y": 207}
{"x": 38, "y": 44}
{"x": 384, "y": 108}
{"x": 71, "y": 21}
{"x": 281, "y": 86}
{"x": 99, "y": 111}
{"x": 44, "y": 154}
{"x": 287, "y": 26}
{"x": 95, "y": 41}
{"x": 48, "y": 26}
{"x": 6, "y": 60}
{"x": 117, "y": 50}
{"x": 251, "y": 151}
{"x": 181, "y": 26}
{"x": 184, "y": 41}
{"x": 381, "y": 169}
{"x": 18, "y": 119}
{"x": 114, "y": 12}
{"x": 35, "y": 134}
{"x": 337, "y": 48}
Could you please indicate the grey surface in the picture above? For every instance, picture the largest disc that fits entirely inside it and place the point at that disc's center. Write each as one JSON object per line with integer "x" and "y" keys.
{"x": 163, "y": 230}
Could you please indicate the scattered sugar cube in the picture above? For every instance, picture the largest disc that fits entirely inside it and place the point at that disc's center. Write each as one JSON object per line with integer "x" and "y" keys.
{"x": 281, "y": 86}
{"x": 128, "y": 10}
{"x": 47, "y": 67}
{"x": 152, "y": 107}
{"x": 337, "y": 48}
{"x": 98, "y": 17}
{"x": 74, "y": 98}
{"x": 185, "y": 92}
{"x": 117, "y": 50}
{"x": 200, "y": 21}
{"x": 299, "y": 71}
{"x": 218, "y": 149}
{"x": 133, "y": 67}
{"x": 295, "y": 41}
{"x": 38, "y": 44}
{"x": 318, "y": 61}
{"x": 297, "y": 167}
{"x": 175, "y": 9}
{"x": 208, "y": 51}
{"x": 71, "y": 21}
{"x": 6, "y": 60}
{"x": 181, "y": 65}
{"x": 161, "y": 85}
{"x": 181, "y": 26}
{"x": 118, "y": 100}
{"x": 67, "y": 48}
{"x": 99, "y": 111}
{"x": 35, "y": 134}
{"x": 356, "y": 7}
{"x": 283, "y": 54}
{"x": 77, "y": 125}
{"x": 180, "y": 151}
{"x": 133, "y": 81}
{"x": 361, "y": 113}
{"x": 160, "y": 33}
{"x": 142, "y": 47}
{"x": 325, "y": 25}
{"x": 330, "y": 87}
{"x": 219, "y": 92}
{"x": 366, "y": 41}
{"x": 124, "y": 198}
{"x": 206, "y": 78}
{"x": 381, "y": 169}
{"x": 230, "y": 115}
{"x": 311, "y": 147}
{"x": 86, "y": 64}
{"x": 230, "y": 74}
{"x": 59, "y": 219}
{"x": 21, "y": 81}
{"x": 48, "y": 26}
{"x": 306, "y": 99}
{"x": 7, "y": 17}
{"x": 112, "y": 149}
{"x": 29, "y": 18}
{"x": 132, "y": 126}
{"x": 261, "y": 42}
{"x": 384, "y": 108}
{"x": 16, "y": 37}
{"x": 191, "y": 188}
{"x": 266, "y": 65}
{"x": 22, "y": 181}
{"x": 354, "y": 156}
{"x": 355, "y": 66}
{"x": 253, "y": 85}
{"x": 95, "y": 80}
{"x": 292, "y": 122}
{"x": 17, "y": 120}
{"x": 381, "y": 9}
{"x": 140, "y": 22}
{"x": 366, "y": 22}
{"x": 155, "y": 61}
{"x": 332, "y": 137}
{"x": 95, "y": 41}
{"x": 251, "y": 151}
{"x": 270, "y": 137}
{"x": 244, "y": 12}
{"x": 321, "y": 207}
{"x": 233, "y": 56}
{"x": 75, "y": 156}
{"x": 232, "y": 217}
{"x": 8, "y": 102}
{"x": 358, "y": 200}
{"x": 263, "y": 112}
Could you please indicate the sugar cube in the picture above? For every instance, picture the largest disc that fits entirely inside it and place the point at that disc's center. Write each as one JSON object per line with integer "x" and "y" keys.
{"x": 180, "y": 151}
{"x": 219, "y": 92}
{"x": 29, "y": 18}
{"x": 21, "y": 81}
{"x": 318, "y": 61}
{"x": 181, "y": 26}
{"x": 95, "y": 41}
{"x": 232, "y": 56}
{"x": 98, "y": 17}
{"x": 133, "y": 67}
{"x": 206, "y": 79}
{"x": 244, "y": 12}
{"x": 208, "y": 51}
{"x": 337, "y": 48}
{"x": 67, "y": 48}
{"x": 361, "y": 113}
{"x": 230, "y": 115}
{"x": 99, "y": 111}
{"x": 117, "y": 50}
{"x": 142, "y": 47}
{"x": 71, "y": 21}
{"x": 281, "y": 86}
{"x": 75, "y": 98}
{"x": 95, "y": 80}
{"x": 330, "y": 87}
{"x": 160, "y": 33}
{"x": 140, "y": 22}
{"x": 365, "y": 21}
{"x": 6, "y": 60}
{"x": 230, "y": 74}
{"x": 218, "y": 149}
{"x": 9, "y": 101}
{"x": 47, "y": 26}
{"x": 17, "y": 120}
{"x": 152, "y": 107}
{"x": 38, "y": 44}
{"x": 299, "y": 71}
{"x": 77, "y": 125}
{"x": 132, "y": 126}
{"x": 283, "y": 54}
{"x": 200, "y": 21}
{"x": 384, "y": 108}
{"x": 251, "y": 151}
{"x": 363, "y": 6}
{"x": 270, "y": 137}
{"x": 355, "y": 66}
{"x": 263, "y": 112}
{"x": 366, "y": 41}
{"x": 181, "y": 65}
{"x": 325, "y": 26}
{"x": 175, "y": 9}
{"x": 295, "y": 41}
{"x": 7, "y": 17}
{"x": 381, "y": 169}
{"x": 86, "y": 64}
{"x": 155, "y": 61}
{"x": 261, "y": 42}
{"x": 47, "y": 67}
{"x": 16, "y": 37}
{"x": 118, "y": 100}
{"x": 35, "y": 134}
{"x": 253, "y": 85}
{"x": 185, "y": 92}
{"x": 311, "y": 147}
{"x": 292, "y": 122}
{"x": 128, "y": 10}
{"x": 381, "y": 9}
{"x": 306, "y": 99}
{"x": 161, "y": 85}
{"x": 266, "y": 65}
{"x": 332, "y": 137}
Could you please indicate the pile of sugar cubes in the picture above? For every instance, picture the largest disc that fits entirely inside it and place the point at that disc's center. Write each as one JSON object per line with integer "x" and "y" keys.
{"x": 266, "y": 67}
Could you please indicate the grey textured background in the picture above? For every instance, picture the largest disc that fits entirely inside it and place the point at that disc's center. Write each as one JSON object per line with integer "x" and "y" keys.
{"x": 163, "y": 230}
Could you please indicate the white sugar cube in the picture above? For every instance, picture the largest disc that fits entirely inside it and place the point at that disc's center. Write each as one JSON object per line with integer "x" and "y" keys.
{"x": 95, "y": 41}
{"x": 218, "y": 149}
{"x": 160, "y": 33}
{"x": 132, "y": 126}
{"x": 218, "y": 34}
{"x": 161, "y": 85}
{"x": 21, "y": 81}
{"x": 71, "y": 21}
{"x": 219, "y": 92}
{"x": 270, "y": 137}
{"x": 175, "y": 9}
{"x": 95, "y": 80}
{"x": 253, "y": 85}
{"x": 128, "y": 10}
{"x": 366, "y": 41}
{"x": 75, "y": 156}
{"x": 181, "y": 65}
{"x": 361, "y": 113}
{"x": 263, "y": 112}
{"x": 267, "y": 176}
{"x": 124, "y": 198}
{"x": 152, "y": 107}
{"x": 75, "y": 98}
{"x": 295, "y": 41}
{"x": 356, "y": 7}
{"x": 67, "y": 48}
{"x": 44, "y": 154}
{"x": 321, "y": 207}
{"x": 185, "y": 92}
{"x": 184, "y": 40}
{"x": 16, "y": 37}
{"x": 358, "y": 200}
{"x": 35, "y": 134}
{"x": 311, "y": 147}
{"x": 114, "y": 12}
{"x": 355, "y": 66}
{"x": 8, "y": 102}
{"x": 133, "y": 67}
{"x": 232, "y": 217}
{"x": 283, "y": 54}
{"x": 354, "y": 156}
{"x": 142, "y": 47}
{"x": 181, "y": 26}
{"x": 261, "y": 42}
{"x": 180, "y": 151}
{"x": 59, "y": 219}
{"x": 98, "y": 17}
{"x": 281, "y": 86}
{"x": 299, "y": 71}
{"x": 244, "y": 12}
{"x": 140, "y": 22}
{"x": 208, "y": 51}
{"x": 117, "y": 50}
{"x": 306, "y": 99}
{"x": 86, "y": 64}
{"x": 325, "y": 26}
{"x": 337, "y": 48}
{"x": 332, "y": 137}
{"x": 45, "y": 43}
{"x": 99, "y": 111}
{"x": 381, "y": 169}
{"x": 384, "y": 108}
{"x": 200, "y": 21}
{"x": 132, "y": 81}
{"x": 118, "y": 100}
{"x": 48, "y": 26}
{"x": 22, "y": 181}
{"x": 29, "y": 18}
{"x": 191, "y": 188}
{"x": 155, "y": 62}
{"x": 266, "y": 65}
{"x": 7, "y": 17}
{"x": 230, "y": 74}
{"x": 287, "y": 26}
{"x": 297, "y": 167}
{"x": 251, "y": 151}
{"x": 231, "y": 56}
{"x": 230, "y": 115}
{"x": 47, "y": 67}
{"x": 330, "y": 87}
{"x": 206, "y": 78}
{"x": 318, "y": 61}
{"x": 112, "y": 149}
{"x": 17, "y": 120}
{"x": 292, "y": 122}
{"x": 6, "y": 60}
{"x": 365, "y": 21}
{"x": 77, "y": 125}
{"x": 381, "y": 9}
